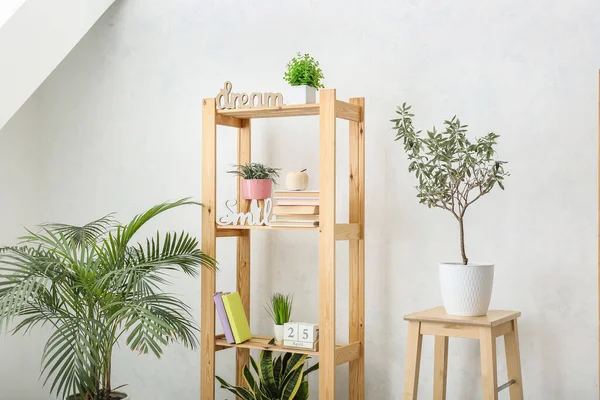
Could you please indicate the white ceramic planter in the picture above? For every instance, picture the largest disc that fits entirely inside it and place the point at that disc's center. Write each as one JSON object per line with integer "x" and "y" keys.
{"x": 466, "y": 289}
{"x": 278, "y": 334}
{"x": 300, "y": 95}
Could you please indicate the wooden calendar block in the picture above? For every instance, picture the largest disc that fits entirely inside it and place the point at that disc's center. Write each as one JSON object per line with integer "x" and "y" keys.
{"x": 290, "y": 331}
{"x": 302, "y": 345}
{"x": 308, "y": 332}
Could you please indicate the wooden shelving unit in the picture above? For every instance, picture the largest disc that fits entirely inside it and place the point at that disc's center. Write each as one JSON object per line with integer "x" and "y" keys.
{"x": 330, "y": 353}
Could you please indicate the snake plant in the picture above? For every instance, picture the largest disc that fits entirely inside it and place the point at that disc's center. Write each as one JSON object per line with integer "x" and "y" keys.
{"x": 279, "y": 378}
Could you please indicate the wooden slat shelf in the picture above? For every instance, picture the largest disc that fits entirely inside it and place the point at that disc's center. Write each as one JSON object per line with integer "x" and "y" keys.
{"x": 328, "y": 232}
{"x": 342, "y": 231}
{"x": 343, "y": 110}
{"x": 344, "y": 352}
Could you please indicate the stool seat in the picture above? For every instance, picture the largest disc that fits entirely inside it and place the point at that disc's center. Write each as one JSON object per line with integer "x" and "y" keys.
{"x": 438, "y": 314}
{"x": 486, "y": 329}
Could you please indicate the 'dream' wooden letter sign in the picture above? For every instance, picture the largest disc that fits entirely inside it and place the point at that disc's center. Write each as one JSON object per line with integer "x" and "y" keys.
{"x": 227, "y": 100}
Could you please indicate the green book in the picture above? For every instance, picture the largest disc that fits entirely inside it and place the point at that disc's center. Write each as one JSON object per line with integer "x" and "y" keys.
{"x": 237, "y": 317}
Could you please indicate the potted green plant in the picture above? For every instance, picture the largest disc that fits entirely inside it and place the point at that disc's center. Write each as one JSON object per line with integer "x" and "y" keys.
{"x": 453, "y": 173}
{"x": 257, "y": 180}
{"x": 280, "y": 310}
{"x": 279, "y": 378}
{"x": 304, "y": 76}
{"x": 93, "y": 285}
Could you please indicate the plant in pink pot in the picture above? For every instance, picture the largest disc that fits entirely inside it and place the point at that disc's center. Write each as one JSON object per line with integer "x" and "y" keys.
{"x": 256, "y": 179}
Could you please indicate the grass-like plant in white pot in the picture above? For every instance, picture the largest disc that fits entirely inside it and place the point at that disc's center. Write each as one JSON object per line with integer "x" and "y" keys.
{"x": 280, "y": 310}
{"x": 453, "y": 173}
{"x": 257, "y": 180}
{"x": 304, "y": 76}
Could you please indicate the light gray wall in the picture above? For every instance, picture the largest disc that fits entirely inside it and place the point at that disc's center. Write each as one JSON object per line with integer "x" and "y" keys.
{"x": 119, "y": 127}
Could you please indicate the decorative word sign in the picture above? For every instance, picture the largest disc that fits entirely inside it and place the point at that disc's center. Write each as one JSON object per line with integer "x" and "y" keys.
{"x": 227, "y": 100}
{"x": 234, "y": 218}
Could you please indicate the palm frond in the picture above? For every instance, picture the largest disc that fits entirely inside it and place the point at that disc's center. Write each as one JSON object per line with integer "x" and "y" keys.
{"x": 83, "y": 235}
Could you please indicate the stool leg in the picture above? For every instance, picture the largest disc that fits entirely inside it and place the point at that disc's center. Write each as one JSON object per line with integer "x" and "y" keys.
{"x": 489, "y": 374}
{"x": 413, "y": 361}
{"x": 513, "y": 362}
{"x": 440, "y": 368}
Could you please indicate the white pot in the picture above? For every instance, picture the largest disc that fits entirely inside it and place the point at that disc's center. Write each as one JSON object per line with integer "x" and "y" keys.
{"x": 300, "y": 95}
{"x": 278, "y": 334}
{"x": 466, "y": 289}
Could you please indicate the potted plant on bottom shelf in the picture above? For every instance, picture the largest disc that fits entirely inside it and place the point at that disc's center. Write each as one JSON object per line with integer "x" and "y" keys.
{"x": 280, "y": 310}
{"x": 453, "y": 173}
{"x": 93, "y": 285}
{"x": 279, "y": 378}
{"x": 257, "y": 180}
{"x": 304, "y": 76}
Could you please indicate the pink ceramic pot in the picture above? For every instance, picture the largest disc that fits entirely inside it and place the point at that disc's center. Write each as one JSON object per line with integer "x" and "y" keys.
{"x": 256, "y": 189}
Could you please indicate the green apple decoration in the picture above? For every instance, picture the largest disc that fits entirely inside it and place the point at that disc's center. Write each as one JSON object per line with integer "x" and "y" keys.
{"x": 296, "y": 180}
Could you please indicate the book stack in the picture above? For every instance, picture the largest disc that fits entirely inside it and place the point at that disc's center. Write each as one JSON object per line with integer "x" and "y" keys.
{"x": 232, "y": 316}
{"x": 295, "y": 208}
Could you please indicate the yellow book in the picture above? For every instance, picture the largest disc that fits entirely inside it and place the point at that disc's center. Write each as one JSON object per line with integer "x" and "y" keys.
{"x": 237, "y": 317}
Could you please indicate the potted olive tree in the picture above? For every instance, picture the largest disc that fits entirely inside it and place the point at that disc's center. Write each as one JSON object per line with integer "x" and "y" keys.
{"x": 93, "y": 285}
{"x": 304, "y": 76}
{"x": 453, "y": 173}
{"x": 257, "y": 180}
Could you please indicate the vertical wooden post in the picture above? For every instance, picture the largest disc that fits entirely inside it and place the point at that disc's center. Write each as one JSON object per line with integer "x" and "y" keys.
{"x": 414, "y": 343}
{"x": 598, "y": 229}
{"x": 357, "y": 251}
{"x": 209, "y": 186}
{"x": 513, "y": 361}
{"x": 440, "y": 368}
{"x": 243, "y": 248}
{"x": 489, "y": 374}
{"x": 327, "y": 246}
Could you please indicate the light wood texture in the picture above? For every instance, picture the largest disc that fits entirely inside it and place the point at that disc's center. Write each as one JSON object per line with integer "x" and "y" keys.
{"x": 438, "y": 314}
{"x": 342, "y": 231}
{"x": 414, "y": 342}
{"x": 451, "y": 330}
{"x": 327, "y": 167}
{"x": 350, "y": 111}
{"x": 330, "y": 354}
{"x": 209, "y": 186}
{"x": 243, "y": 247}
{"x": 356, "y": 246}
{"x": 486, "y": 329}
{"x": 347, "y": 353}
{"x": 501, "y": 330}
{"x": 489, "y": 374}
{"x": 227, "y": 100}
{"x": 440, "y": 368}
{"x": 296, "y": 110}
{"x": 229, "y": 121}
{"x": 513, "y": 361}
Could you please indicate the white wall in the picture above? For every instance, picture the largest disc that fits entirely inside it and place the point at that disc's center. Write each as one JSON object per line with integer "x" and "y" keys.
{"x": 8, "y": 8}
{"x": 119, "y": 125}
{"x": 35, "y": 38}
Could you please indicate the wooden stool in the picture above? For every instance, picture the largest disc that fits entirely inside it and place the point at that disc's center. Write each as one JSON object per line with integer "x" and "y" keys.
{"x": 487, "y": 328}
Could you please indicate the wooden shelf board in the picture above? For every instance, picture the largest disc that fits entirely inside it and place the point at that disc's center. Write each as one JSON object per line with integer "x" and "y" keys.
{"x": 343, "y": 110}
{"x": 344, "y": 352}
{"x": 342, "y": 231}
{"x": 272, "y": 112}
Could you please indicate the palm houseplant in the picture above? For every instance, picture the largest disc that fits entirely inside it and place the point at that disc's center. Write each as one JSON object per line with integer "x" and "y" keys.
{"x": 280, "y": 311}
{"x": 256, "y": 180}
{"x": 94, "y": 285}
{"x": 305, "y": 76}
{"x": 453, "y": 173}
{"x": 279, "y": 378}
